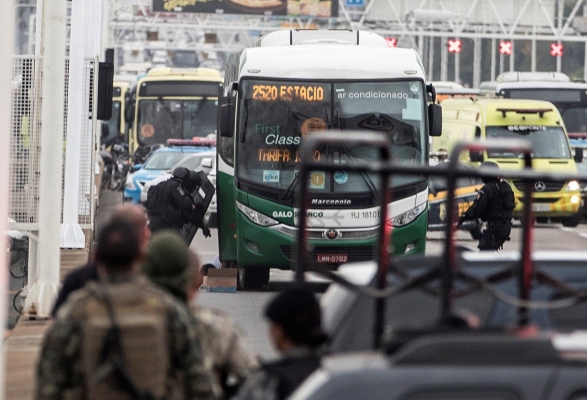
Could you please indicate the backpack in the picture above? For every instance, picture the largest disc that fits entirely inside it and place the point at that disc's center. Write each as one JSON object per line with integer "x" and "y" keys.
{"x": 118, "y": 323}
{"x": 154, "y": 202}
{"x": 508, "y": 200}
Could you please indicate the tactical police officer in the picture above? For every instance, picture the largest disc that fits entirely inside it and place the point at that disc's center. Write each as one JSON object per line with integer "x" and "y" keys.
{"x": 168, "y": 202}
{"x": 195, "y": 217}
{"x": 494, "y": 204}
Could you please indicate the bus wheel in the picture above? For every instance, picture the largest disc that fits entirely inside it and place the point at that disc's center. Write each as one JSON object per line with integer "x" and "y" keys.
{"x": 252, "y": 278}
{"x": 571, "y": 222}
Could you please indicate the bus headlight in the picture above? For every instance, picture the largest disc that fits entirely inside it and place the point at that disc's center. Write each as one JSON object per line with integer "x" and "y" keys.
{"x": 407, "y": 217}
{"x": 256, "y": 217}
{"x": 573, "y": 186}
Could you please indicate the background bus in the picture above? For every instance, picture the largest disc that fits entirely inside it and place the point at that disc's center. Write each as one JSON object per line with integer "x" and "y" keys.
{"x": 171, "y": 103}
{"x": 295, "y": 83}
{"x": 569, "y": 97}
{"x": 116, "y": 125}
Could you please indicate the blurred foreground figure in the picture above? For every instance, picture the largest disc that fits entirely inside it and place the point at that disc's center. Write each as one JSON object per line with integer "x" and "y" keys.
{"x": 122, "y": 337}
{"x": 171, "y": 264}
{"x": 136, "y": 216}
{"x": 296, "y": 333}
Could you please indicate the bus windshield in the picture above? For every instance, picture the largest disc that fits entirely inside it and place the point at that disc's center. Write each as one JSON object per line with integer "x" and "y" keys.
{"x": 275, "y": 116}
{"x": 571, "y": 103}
{"x": 547, "y": 141}
{"x": 113, "y": 124}
{"x": 159, "y": 120}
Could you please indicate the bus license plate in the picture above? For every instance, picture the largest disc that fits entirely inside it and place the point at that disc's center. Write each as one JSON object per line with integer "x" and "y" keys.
{"x": 333, "y": 258}
{"x": 540, "y": 207}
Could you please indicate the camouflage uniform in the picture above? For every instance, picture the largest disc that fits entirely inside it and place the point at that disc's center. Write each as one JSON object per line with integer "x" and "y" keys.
{"x": 60, "y": 373}
{"x": 224, "y": 347}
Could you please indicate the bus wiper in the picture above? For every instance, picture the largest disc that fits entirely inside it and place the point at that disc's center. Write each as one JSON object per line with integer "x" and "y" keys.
{"x": 289, "y": 191}
{"x": 245, "y": 120}
{"x": 168, "y": 109}
{"x": 364, "y": 175}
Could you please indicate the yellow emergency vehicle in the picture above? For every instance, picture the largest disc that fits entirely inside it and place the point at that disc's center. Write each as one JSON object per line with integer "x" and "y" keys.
{"x": 534, "y": 120}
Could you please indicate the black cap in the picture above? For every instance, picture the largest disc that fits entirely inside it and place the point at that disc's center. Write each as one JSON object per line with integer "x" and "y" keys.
{"x": 489, "y": 167}
{"x": 297, "y": 310}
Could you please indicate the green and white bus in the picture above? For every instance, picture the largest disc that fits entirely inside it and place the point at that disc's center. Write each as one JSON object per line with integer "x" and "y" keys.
{"x": 294, "y": 83}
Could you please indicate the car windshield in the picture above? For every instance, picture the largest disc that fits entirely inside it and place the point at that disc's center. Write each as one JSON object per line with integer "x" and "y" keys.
{"x": 164, "y": 160}
{"x": 160, "y": 120}
{"x": 194, "y": 161}
{"x": 276, "y": 116}
{"x": 547, "y": 141}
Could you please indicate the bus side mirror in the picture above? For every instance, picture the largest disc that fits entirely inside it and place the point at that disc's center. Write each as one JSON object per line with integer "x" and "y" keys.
{"x": 129, "y": 109}
{"x": 435, "y": 119}
{"x": 105, "y": 91}
{"x": 578, "y": 155}
{"x": 226, "y": 115}
{"x": 476, "y": 156}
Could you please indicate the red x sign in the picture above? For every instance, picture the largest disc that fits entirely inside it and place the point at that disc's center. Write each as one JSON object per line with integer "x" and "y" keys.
{"x": 454, "y": 46}
{"x": 505, "y": 47}
{"x": 391, "y": 42}
{"x": 556, "y": 49}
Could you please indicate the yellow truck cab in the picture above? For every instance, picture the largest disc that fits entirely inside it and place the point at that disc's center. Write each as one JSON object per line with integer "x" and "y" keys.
{"x": 535, "y": 120}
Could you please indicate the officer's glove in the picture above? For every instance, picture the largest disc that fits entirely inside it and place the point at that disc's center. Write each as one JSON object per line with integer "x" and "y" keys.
{"x": 206, "y": 232}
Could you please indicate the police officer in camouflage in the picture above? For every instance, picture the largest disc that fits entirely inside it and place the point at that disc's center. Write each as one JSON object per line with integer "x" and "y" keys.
{"x": 123, "y": 337}
{"x": 172, "y": 265}
{"x": 494, "y": 205}
{"x": 169, "y": 202}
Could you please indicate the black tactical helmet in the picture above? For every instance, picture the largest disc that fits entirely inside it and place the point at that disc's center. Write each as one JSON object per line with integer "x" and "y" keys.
{"x": 193, "y": 181}
{"x": 489, "y": 167}
{"x": 181, "y": 173}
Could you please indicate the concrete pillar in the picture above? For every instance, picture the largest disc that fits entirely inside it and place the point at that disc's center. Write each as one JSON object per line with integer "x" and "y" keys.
{"x": 6, "y": 48}
{"x": 43, "y": 292}
{"x": 86, "y": 23}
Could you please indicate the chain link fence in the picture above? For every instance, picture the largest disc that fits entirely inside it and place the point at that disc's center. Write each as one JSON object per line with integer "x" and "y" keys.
{"x": 25, "y": 150}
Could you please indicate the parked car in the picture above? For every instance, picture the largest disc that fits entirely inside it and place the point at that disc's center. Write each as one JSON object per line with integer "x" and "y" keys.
{"x": 200, "y": 161}
{"x": 159, "y": 163}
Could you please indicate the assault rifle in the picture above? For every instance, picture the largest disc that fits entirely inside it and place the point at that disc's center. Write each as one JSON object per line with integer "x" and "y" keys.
{"x": 466, "y": 216}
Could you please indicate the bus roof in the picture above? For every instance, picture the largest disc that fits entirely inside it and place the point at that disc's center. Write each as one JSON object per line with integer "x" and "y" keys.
{"x": 331, "y": 61}
{"x": 517, "y": 76}
{"x": 183, "y": 72}
{"x": 314, "y": 36}
{"x": 503, "y": 107}
{"x": 494, "y": 87}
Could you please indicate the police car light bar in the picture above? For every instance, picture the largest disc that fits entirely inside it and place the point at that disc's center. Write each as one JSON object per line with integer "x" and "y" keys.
{"x": 192, "y": 142}
{"x": 539, "y": 111}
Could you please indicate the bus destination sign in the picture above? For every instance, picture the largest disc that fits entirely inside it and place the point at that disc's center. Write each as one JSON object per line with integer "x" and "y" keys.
{"x": 288, "y": 93}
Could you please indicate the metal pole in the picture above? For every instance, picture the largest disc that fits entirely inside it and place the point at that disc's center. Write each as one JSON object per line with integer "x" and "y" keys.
{"x": 85, "y": 19}
{"x": 44, "y": 291}
{"x": 492, "y": 59}
{"x": 585, "y": 63}
{"x": 6, "y": 48}
{"x": 457, "y": 67}
{"x": 431, "y": 58}
{"x": 477, "y": 62}
{"x": 533, "y": 56}
{"x": 443, "y": 59}
{"x": 512, "y": 66}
